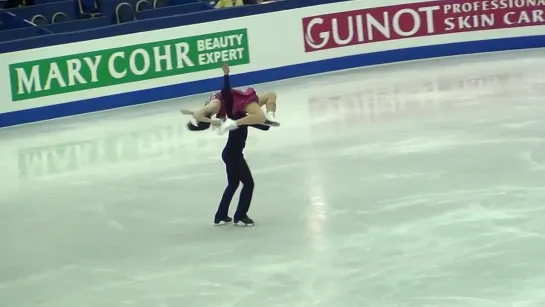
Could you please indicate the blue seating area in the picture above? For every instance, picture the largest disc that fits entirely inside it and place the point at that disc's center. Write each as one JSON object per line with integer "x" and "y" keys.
{"x": 47, "y": 10}
{"x": 64, "y": 16}
{"x": 49, "y": 17}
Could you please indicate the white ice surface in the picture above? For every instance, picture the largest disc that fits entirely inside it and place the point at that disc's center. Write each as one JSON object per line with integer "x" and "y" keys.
{"x": 419, "y": 184}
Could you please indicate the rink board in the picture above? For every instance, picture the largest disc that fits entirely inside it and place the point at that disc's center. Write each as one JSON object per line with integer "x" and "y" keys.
{"x": 37, "y": 85}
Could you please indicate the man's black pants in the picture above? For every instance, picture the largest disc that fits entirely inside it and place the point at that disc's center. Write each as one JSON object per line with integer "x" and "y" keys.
{"x": 237, "y": 172}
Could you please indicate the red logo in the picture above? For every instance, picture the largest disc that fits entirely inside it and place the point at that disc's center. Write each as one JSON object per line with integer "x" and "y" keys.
{"x": 416, "y": 20}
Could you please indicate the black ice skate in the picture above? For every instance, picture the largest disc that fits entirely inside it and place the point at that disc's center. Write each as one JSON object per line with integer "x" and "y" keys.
{"x": 245, "y": 222}
{"x": 222, "y": 221}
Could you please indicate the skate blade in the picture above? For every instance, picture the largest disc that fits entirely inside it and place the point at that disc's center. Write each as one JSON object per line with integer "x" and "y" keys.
{"x": 222, "y": 223}
{"x": 272, "y": 124}
{"x": 244, "y": 225}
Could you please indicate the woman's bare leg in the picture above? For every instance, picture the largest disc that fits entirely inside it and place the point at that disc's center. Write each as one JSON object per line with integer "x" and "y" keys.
{"x": 269, "y": 101}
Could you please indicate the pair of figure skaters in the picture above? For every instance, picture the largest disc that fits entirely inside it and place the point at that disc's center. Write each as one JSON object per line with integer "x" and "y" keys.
{"x": 235, "y": 111}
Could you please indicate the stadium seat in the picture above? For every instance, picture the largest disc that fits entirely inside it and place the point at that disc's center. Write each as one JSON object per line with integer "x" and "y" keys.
{"x": 109, "y": 7}
{"x": 124, "y": 12}
{"x": 90, "y": 8}
{"x": 59, "y": 17}
{"x": 143, "y": 5}
{"x": 46, "y": 10}
{"x": 39, "y": 20}
{"x": 160, "y": 3}
{"x": 173, "y": 10}
{"x": 78, "y": 25}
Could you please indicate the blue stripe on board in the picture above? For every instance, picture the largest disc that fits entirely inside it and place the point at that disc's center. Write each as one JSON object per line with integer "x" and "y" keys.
{"x": 202, "y": 86}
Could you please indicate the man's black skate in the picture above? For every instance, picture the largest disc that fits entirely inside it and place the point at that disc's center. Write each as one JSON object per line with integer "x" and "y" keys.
{"x": 222, "y": 221}
{"x": 244, "y": 222}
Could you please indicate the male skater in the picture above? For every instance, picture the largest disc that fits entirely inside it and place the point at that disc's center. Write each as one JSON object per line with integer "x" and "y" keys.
{"x": 240, "y": 110}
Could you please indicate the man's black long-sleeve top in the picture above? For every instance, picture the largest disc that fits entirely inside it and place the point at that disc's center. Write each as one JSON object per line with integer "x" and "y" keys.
{"x": 237, "y": 138}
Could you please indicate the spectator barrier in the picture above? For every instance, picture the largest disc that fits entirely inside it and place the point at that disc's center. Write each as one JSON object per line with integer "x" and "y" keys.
{"x": 80, "y": 73}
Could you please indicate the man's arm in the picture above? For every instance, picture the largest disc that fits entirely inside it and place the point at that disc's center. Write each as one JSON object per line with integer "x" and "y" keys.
{"x": 226, "y": 93}
{"x": 226, "y": 80}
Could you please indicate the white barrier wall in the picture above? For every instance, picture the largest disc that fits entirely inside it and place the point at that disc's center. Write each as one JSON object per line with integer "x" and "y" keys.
{"x": 94, "y": 69}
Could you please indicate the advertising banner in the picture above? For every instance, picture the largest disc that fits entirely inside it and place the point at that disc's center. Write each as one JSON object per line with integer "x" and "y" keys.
{"x": 378, "y": 24}
{"x": 93, "y": 75}
{"x": 127, "y": 64}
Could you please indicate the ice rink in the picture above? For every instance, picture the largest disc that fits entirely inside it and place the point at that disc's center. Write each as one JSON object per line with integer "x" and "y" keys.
{"x": 417, "y": 184}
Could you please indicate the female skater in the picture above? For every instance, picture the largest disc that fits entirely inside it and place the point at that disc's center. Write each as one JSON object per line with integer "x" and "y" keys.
{"x": 267, "y": 99}
{"x": 240, "y": 110}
